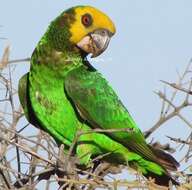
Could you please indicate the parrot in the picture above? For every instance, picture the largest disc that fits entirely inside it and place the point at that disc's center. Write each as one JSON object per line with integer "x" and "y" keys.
{"x": 63, "y": 94}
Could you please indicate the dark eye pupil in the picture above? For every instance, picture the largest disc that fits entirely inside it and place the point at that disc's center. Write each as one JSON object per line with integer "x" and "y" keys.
{"x": 86, "y": 20}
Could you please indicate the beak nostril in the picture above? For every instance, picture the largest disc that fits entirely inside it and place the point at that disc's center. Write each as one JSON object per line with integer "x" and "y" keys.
{"x": 103, "y": 32}
{"x": 106, "y": 32}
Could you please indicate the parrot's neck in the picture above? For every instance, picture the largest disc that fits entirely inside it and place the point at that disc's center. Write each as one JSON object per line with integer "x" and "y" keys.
{"x": 56, "y": 63}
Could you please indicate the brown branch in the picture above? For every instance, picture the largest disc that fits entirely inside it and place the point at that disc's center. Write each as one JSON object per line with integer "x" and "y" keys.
{"x": 5, "y": 58}
{"x": 164, "y": 118}
{"x": 26, "y": 138}
{"x": 178, "y": 87}
{"x": 27, "y": 150}
{"x": 19, "y": 60}
{"x": 127, "y": 184}
{"x": 178, "y": 140}
{"x": 5, "y": 179}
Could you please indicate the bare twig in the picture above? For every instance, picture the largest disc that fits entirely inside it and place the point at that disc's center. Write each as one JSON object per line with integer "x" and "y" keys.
{"x": 166, "y": 114}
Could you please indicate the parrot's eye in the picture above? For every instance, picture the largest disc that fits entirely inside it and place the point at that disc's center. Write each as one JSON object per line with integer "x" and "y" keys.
{"x": 87, "y": 20}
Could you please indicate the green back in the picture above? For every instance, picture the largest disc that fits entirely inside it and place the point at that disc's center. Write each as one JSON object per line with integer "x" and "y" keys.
{"x": 94, "y": 143}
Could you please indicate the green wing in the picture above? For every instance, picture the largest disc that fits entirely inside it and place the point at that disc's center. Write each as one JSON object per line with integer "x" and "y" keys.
{"x": 22, "y": 92}
{"x": 98, "y": 104}
{"x": 98, "y": 143}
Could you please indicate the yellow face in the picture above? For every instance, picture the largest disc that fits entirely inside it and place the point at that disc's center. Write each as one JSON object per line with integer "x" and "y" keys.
{"x": 87, "y": 20}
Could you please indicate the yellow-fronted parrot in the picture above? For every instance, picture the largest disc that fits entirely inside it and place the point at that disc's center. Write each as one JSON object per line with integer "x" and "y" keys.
{"x": 63, "y": 94}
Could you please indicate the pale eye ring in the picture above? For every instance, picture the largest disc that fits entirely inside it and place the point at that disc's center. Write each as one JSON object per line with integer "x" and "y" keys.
{"x": 87, "y": 20}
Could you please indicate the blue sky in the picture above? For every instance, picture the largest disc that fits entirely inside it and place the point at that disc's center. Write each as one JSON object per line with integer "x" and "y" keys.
{"x": 153, "y": 40}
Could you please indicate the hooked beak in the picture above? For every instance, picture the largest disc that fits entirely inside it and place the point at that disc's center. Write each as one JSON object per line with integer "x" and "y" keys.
{"x": 96, "y": 42}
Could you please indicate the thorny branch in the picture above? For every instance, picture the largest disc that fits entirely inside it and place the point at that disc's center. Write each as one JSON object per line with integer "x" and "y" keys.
{"x": 169, "y": 110}
{"x": 29, "y": 156}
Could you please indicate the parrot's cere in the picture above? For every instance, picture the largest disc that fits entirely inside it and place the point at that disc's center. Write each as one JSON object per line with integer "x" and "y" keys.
{"x": 63, "y": 94}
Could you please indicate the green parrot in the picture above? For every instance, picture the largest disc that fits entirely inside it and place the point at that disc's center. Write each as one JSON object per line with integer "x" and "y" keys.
{"x": 63, "y": 94}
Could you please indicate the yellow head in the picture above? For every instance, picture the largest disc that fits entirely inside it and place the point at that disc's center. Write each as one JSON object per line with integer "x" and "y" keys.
{"x": 87, "y": 20}
{"x": 84, "y": 27}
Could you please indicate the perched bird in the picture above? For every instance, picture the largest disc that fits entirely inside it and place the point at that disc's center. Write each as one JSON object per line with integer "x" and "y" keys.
{"x": 63, "y": 94}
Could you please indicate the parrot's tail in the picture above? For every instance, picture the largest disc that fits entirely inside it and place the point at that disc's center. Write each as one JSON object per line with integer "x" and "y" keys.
{"x": 169, "y": 163}
{"x": 162, "y": 180}
{"x": 165, "y": 159}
